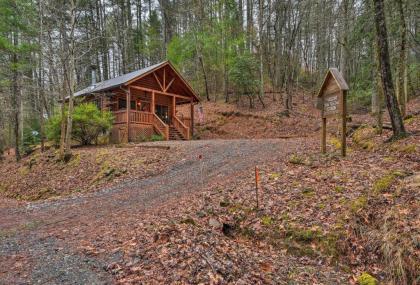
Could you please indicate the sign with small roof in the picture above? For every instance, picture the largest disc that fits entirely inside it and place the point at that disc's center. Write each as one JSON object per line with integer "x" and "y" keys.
{"x": 332, "y": 103}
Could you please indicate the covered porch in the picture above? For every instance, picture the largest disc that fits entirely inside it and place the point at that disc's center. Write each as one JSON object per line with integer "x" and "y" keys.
{"x": 150, "y": 111}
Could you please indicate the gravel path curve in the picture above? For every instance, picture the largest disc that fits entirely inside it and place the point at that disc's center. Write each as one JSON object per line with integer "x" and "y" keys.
{"x": 31, "y": 254}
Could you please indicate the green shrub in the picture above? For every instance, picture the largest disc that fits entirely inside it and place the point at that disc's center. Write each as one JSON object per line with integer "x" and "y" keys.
{"x": 359, "y": 100}
{"x": 53, "y": 128}
{"x": 155, "y": 138}
{"x": 88, "y": 124}
{"x": 31, "y": 137}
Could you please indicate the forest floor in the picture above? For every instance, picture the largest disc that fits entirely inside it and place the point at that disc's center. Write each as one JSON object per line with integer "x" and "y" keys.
{"x": 237, "y": 121}
{"x": 322, "y": 219}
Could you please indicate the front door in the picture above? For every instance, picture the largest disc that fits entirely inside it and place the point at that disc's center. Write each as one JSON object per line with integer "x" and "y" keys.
{"x": 163, "y": 113}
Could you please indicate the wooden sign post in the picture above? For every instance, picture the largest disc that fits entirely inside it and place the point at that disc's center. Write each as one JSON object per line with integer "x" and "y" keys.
{"x": 332, "y": 103}
{"x": 257, "y": 180}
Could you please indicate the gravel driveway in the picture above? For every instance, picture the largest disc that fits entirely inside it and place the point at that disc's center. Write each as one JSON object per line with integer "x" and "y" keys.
{"x": 35, "y": 244}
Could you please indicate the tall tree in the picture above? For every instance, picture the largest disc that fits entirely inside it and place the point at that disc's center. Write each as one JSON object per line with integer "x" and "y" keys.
{"x": 402, "y": 72}
{"x": 16, "y": 35}
{"x": 385, "y": 68}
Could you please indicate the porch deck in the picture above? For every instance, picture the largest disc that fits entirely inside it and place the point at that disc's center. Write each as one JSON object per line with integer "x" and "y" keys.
{"x": 151, "y": 119}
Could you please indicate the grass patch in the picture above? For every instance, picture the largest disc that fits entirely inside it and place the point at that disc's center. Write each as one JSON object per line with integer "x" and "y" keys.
{"x": 24, "y": 170}
{"x": 385, "y": 182}
{"x": 311, "y": 242}
{"x": 42, "y": 193}
{"x": 308, "y": 192}
{"x": 367, "y": 279}
{"x": 409, "y": 148}
{"x": 188, "y": 221}
{"x": 335, "y": 142}
{"x": 303, "y": 235}
{"x": 358, "y": 204}
{"x": 274, "y": 176}
{"x": 409, "y": 119}
{"x": 267, "y": 221}
{"x": 75, "y": 160}
{"x": 363, "y": 137}
{"x": 3, "y": 188}
{"x": 339, "y": 189}
{"x": 298, "y": 159}
{"x": 224, "y": 203}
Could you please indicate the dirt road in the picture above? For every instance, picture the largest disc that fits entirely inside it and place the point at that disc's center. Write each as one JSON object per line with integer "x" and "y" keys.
{"x": 38, "y": 240}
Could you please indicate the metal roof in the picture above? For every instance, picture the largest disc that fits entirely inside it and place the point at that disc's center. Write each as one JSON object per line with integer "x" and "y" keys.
{"x": 117, "y": 81}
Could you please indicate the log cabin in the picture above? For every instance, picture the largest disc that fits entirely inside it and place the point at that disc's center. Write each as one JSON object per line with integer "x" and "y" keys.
{"x": 144, "y": 102}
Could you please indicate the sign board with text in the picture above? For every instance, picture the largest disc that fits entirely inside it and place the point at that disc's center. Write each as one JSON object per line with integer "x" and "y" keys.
{"x": 332, "y": 103}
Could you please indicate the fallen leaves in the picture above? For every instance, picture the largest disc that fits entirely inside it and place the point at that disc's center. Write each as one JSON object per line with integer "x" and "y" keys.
{"x": 42, "y": 176}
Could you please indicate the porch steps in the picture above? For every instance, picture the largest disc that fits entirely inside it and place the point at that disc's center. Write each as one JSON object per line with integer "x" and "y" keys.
{"x": 175, "y": 135}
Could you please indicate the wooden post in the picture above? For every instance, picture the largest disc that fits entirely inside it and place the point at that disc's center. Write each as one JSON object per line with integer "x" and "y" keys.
{"x": 257, "y": 179}
{"x": 173, "y": 107}
{"x": 164, "y": 79}
{"x": 152, "y": 107}
{"x": 128, "y": 113}
{"x": 324, "y": 135}
{"x": 343, "y": 123}
{"x": 192, "y": 118}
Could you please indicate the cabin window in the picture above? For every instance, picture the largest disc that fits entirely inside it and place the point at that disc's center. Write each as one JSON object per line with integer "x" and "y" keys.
{"x": 145, "y": 107}
{"x": 133, "y": 105}
{"x": 122, "y": 104}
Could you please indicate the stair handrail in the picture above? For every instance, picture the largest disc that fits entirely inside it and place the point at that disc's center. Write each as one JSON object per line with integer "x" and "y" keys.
{"x": 183, "y": 129}
{"x": 158, "y": 124}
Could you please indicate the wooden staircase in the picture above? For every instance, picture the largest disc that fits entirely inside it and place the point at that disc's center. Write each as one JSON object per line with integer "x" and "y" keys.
{"x": 175, "y": 135}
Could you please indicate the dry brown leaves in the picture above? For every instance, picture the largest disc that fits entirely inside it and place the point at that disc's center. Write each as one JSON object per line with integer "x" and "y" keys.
{"x": 42, "y": 175}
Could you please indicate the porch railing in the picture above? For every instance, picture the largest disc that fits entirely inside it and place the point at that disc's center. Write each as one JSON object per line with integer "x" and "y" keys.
{"x": 183, "y": 129}
{"x": 141, "y": 117}
{"x": 185, "y": 120}
{"x": 161, "y": 127}
{"x": 135, "y": 117}
{"x": 120, "y": 116}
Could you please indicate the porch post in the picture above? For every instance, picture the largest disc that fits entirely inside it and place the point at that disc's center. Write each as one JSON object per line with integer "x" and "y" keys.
{"x": 152, "y": 107}
{"x": 192, "y": 118}
{"x": 173, "y": 107}
{"x": 128, "y": 105}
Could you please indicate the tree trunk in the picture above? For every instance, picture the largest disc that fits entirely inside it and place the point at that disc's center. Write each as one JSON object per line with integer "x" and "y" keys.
{"x": 386, "y": 76}
{"x": 71, "y": 82}
{"x": 344, "y": 44}
{"x": 249, "y": 24}
{"x": 401, "y": 94}
{"x": 377, "y": 97}
{"x": 260, "y": 28}
{"x": 16, "y": 100}
{"x": 205, "y": 77}
{"x": 40, "y": 89}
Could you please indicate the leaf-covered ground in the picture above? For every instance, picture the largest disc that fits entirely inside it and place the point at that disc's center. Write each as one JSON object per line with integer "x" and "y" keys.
{"x": 322, "y": 219}
{"x": 42, "y": 175}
